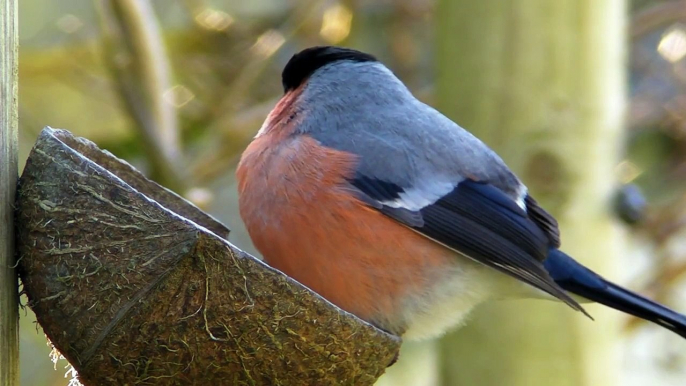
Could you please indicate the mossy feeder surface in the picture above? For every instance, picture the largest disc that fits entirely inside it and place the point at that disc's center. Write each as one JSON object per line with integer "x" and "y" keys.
{"x": 136, "y": 286}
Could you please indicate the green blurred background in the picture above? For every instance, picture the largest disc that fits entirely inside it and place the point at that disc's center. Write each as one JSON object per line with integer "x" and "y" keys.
{"x": 183, "y": 107}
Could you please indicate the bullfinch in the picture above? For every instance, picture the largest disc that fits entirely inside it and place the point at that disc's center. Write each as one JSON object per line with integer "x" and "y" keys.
{"x": 396, "y": 214}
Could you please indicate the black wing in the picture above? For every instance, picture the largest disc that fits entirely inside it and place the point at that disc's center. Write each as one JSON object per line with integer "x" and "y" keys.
{"x": 478, "y": 220}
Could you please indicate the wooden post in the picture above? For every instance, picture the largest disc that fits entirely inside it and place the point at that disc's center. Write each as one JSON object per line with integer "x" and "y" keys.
{"x": 9, "y": 316}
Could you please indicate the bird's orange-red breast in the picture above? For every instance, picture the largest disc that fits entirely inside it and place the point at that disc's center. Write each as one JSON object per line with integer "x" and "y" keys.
{"x": 303, "y": 218}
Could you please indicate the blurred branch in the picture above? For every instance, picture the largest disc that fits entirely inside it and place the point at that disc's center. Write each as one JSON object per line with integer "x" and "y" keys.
{"x": 655, "y": 16}
{"x": 243, "y": 127}
{"x": 661, "y": 227}
{"x": 194, "y": 7}
{"x": 236, "y": 127}
{"x": 665, "y": 223}
{"x": 263, "y": 52}
{"x": 658, "y": 286}
{"x": 134, "y": 52}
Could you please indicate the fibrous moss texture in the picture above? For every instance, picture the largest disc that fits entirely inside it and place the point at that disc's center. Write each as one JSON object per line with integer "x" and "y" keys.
{"x": 136, "y": 286}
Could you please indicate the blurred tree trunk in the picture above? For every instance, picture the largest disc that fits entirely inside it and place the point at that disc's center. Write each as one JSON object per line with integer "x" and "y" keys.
{"x": 542, "y": 82}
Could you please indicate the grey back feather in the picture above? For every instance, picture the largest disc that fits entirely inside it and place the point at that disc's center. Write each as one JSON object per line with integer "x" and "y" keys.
{"x": 364, "y": 109}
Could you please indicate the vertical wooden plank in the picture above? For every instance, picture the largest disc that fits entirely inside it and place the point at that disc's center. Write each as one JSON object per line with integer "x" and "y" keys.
{"x": 9, "y": 317}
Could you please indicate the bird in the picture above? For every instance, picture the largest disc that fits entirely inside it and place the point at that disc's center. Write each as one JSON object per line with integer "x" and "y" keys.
{"x": 394, "y": 213}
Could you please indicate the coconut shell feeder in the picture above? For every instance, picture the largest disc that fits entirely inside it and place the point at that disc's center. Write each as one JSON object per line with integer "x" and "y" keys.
{"x": 136, "y": 286}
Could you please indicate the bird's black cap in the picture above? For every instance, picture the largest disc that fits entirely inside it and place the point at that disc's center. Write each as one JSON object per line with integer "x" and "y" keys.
{"x": 307, "y": 61}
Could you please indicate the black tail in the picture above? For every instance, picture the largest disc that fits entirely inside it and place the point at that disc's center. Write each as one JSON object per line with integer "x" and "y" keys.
{"x": 579, "y": 280}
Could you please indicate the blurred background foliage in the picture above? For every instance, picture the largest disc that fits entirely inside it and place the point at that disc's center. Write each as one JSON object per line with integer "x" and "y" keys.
{"x": 178, "y": 88}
